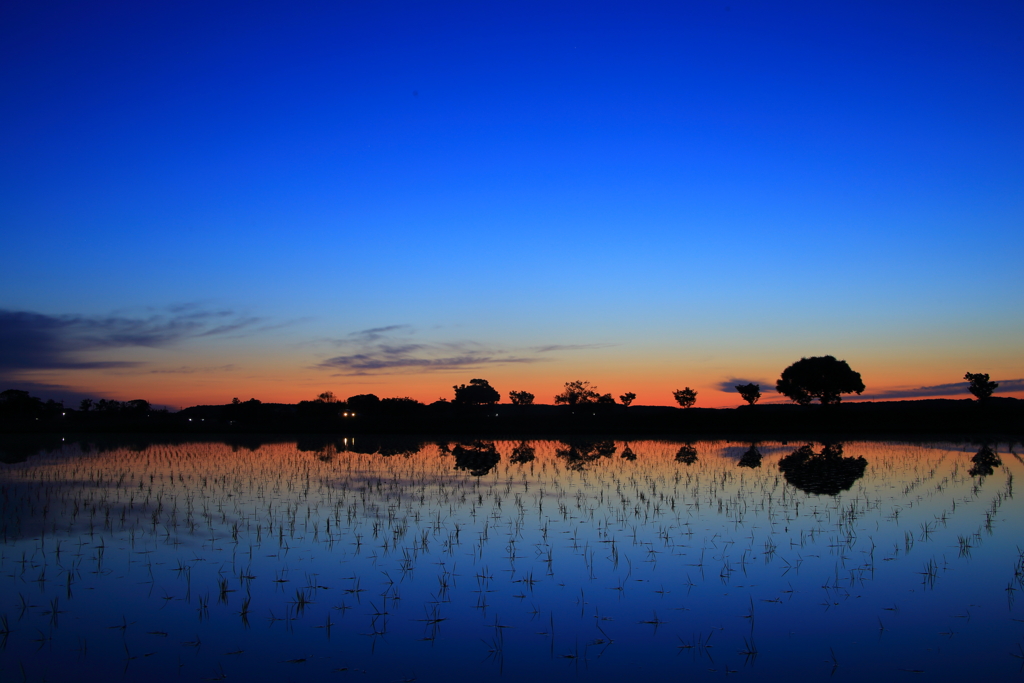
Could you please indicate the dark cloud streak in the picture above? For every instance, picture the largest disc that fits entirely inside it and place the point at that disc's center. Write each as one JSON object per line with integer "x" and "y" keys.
{"x": 729, "y": 385}
{"x": 377, "y": 351}
{"x": 35, "y": 341}
{"x": 952, "y": 389}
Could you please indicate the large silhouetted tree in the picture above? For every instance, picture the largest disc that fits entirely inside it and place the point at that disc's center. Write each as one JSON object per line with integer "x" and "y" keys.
{"x": 819, "y": 377}
{"x": 627, "y": 398}
{"x": 980, "y": 386}
{"x": 750, "y": 393}
{"x": 577, "y": 393}
{"x": 685, "y": 397}
{"x": 478, "y": 392}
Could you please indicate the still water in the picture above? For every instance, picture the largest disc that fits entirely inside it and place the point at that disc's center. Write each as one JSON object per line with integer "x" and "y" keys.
{"x": 545, "y": 560}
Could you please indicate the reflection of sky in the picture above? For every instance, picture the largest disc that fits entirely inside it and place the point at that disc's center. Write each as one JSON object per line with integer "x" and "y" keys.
{"x": 148, "y": 533}
{"x": 673, "y": 196}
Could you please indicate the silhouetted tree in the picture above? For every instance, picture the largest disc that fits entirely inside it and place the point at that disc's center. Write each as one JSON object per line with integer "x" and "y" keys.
{"x": 136, "y": 406}
{"x": 752, "y": 458}
{"x": 826, "y": 473}
{"x": 477, "y": 392}
{"x": 577, "y": 393}
{"x": 86, "y": 405}
{"x": 523, "y": 453}
{"x": 319, "y": 409}
{"x": 985, "y": 461}
{"x": 605, "y": 399}
{"x": 402, "y": 405}
{"x": 521, "y": 398}
{"x": 819, "y": 377}
{"x": 685, "y": 397}
{"x": 478, "y": 457}
{"x": 363, "y": 402}
{"x": 235, "y": 401}
{"x": 16, "y": 401}
{"x": 327, "y": 397}
{"x": 980, "y": 386}
{"x": 750, "y": 393}
{"x": 686, "y": 454}
{"x": 627, "y": 398}
{"x": 108, "y": 406}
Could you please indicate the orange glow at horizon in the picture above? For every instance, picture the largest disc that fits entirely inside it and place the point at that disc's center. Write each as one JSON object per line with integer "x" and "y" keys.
{"x": 651, "y": 386}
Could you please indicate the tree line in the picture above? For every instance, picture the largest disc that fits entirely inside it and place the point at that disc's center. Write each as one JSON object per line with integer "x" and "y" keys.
{"x": 824, "y": 379}
{"x": 819, "y": 378}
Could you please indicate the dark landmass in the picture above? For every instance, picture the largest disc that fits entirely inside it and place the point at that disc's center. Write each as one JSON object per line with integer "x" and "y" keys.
{"x": 936, "y": 417}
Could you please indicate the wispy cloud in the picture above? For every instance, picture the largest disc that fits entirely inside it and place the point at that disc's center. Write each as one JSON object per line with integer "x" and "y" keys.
{"x": 36, "y": 341}
{"x": 189, "y": 370}
{"x": 385, "y": 350}
{"x": 567, "y": 347}
{"x": 372, "y": 335}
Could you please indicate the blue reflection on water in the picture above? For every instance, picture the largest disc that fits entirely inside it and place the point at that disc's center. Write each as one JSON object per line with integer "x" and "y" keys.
{"x": 595, "y": 560}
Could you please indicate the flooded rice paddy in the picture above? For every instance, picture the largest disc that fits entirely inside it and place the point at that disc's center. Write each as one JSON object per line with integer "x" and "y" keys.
{"x": 539, "y": 560}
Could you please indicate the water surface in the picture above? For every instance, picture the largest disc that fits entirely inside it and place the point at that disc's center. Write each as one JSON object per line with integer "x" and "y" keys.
{"x": 543, "y": 559}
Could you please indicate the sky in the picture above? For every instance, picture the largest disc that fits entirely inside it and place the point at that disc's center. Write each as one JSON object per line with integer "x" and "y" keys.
{"x": 204, "y": 200}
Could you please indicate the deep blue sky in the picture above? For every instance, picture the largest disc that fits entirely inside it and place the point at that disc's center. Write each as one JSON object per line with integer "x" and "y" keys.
{"x": 668, "y": 194}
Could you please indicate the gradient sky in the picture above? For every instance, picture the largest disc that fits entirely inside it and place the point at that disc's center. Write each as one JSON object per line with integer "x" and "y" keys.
{"x": 202, "y": 200}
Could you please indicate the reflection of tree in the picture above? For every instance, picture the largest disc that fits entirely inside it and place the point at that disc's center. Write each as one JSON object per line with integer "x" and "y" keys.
{"x": 579, "y": 454}
{"x": 686, "y": 454}
{"x": 478, "y": 457}
{"x": 752, "y": 458}
{"x": 327, "y": 453}
{"x": 985, "y": 461}
{"x": 523, "y": 453}
{"x": 628, "y": 453}
{"x": 389, "y": 450}
{"x": 826, "y": 473}
{"x": 11, "y": 453}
